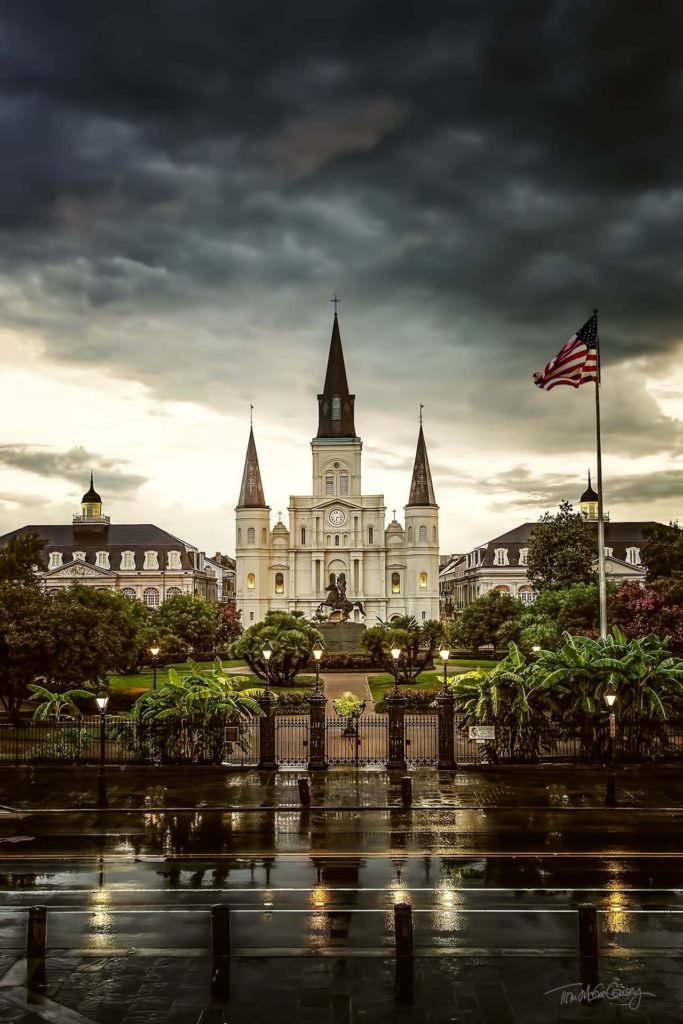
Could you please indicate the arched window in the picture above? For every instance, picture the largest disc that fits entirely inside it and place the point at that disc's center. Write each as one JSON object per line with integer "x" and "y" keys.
{"x": 129, "y": 592}
{"x": 336, "y": 408}
{"x": 422, "y": 535}
{"x": 264, "y": 536}
{"x": 332, "y": 579}
{"x": 343, "y": 483}
{"x": 410, "y": 535}
{"x": 329, "y": 483}
{"x": 251, "y": 581}
{"x": 336, "y": 540}
{"x": 239, "y": 537}
{"x": 151, "y": 597}
{"x": 423, "y": 581}
{"x": 434, "y": 534}
{"x": 526, "y": 594}
{"x": 328, "y": 540}
{"x": 371, "y": 535}
{"x": 395, "y": 583}
{"x": 345, "y": 540}
{"x": 251, "y": 535}
{"x": 303, "y": 535}
{"x": 279, "y": 583}
{"x": 502, "y": 589}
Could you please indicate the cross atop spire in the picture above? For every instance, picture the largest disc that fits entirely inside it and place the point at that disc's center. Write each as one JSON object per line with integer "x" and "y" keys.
{"x": 421, "y": 408}
{"x": 335, "y": 300}
{"x": 335, "y": 404}
{"x": 251, "y": 492}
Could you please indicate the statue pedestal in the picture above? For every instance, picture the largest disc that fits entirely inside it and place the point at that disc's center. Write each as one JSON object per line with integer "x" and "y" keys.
{"x": 342, "y": 637}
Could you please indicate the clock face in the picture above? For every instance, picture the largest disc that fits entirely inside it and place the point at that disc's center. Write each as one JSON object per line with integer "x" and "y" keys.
{"x": 337, "y": 517}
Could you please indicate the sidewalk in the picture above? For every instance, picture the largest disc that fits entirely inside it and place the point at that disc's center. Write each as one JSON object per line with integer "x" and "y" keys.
{"x": 337, "y": 683}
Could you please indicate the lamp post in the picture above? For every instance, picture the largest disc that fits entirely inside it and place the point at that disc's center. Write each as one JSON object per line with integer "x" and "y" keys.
{"x": 154, "y": 651}
{"x": 396, "y": 655}
{"x": 610, "y": 696}
{"x": 317, "y": 654}
{"x": 445, "y": 654}
{"x": 267, "y": 652}
{"x": 102, "y": 699}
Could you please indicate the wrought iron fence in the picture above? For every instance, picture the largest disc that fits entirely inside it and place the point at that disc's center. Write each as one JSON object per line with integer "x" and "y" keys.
{"x": 363, "y": 742}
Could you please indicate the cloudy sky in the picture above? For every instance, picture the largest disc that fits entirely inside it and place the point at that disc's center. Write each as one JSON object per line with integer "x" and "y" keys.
{"x": 185, "y": 183}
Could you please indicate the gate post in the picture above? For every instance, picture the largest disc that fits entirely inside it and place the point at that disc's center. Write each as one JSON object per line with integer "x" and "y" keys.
{"x": 396, "y": 705}
{"x": 445, "y": 704}
{"x": 267, "y": 761}
{"x": 317, "y": 704}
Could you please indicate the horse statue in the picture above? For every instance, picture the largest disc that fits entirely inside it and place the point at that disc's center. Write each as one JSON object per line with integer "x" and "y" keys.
{"x": 337, "y": 600}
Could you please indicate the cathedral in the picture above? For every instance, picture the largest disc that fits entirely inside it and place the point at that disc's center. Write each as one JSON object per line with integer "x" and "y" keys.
{"x": 337, "y": 534}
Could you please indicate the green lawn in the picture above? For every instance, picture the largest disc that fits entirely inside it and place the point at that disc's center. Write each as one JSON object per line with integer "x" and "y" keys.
{"x": 144, "y": 680}
{"x": 380, "y": 684}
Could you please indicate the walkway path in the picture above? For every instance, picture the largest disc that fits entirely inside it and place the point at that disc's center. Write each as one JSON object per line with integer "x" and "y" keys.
{"x": 337, "y": 683}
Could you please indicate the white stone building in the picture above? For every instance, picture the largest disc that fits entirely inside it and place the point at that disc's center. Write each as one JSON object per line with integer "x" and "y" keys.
{"x": 337, "y": 529}
{"x": 139, "y": 560}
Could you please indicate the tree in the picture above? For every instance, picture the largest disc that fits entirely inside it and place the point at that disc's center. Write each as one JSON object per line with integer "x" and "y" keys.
{"x": 26, "y": 642}
{"x": 292, "y": 638}
{"x": 562, "y": 550}
{"x": 230, "y": 622}
{"x": 22, "y": 558}
{"x": 662, "y": 553}
{"x": 186, "y": 624}
{"x": 480, "y": 621}
{"x": 55, "y": 703}
{"x": 657, "y": 608}
{"x": 418, "y": 642}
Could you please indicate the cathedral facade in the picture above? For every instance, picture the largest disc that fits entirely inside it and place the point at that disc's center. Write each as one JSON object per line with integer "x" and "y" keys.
{"x": 337, "y": 531}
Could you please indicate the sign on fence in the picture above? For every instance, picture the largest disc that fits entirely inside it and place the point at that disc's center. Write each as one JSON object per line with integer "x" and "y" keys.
{"x": 482, "y": 732}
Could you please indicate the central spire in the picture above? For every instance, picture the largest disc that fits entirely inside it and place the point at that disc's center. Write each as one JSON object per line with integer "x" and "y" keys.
{"x": 335, "y": 404}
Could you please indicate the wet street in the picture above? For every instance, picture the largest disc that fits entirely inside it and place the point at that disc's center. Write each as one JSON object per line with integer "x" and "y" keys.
{"x": 494, "y": 864}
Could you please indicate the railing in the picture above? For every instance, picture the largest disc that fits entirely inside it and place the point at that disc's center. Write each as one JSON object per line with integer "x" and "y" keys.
{"x": 363, "y": 742}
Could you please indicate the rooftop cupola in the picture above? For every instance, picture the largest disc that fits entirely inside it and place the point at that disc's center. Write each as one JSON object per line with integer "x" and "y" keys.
{"x": 335, "y": 404}
{"x": 91, "y": 509}
{"x": 589, "y": 501}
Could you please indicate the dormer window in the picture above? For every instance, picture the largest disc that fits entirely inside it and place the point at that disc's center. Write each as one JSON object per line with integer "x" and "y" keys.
{"x": 609, "y": 552}
{"x": 55, "y": 560}
{"x": 102, "y": 559}
{"x": 174, "y": 560}
{"x": 79, "y": 556}
{"x": 127, "y": 559}
{"x": 151, "y": 560}
{"x": 524, "y": 556}
{"x": 336, "y": 408}
{"x": 633, "y": 556}
{"x": 501, "y": 557}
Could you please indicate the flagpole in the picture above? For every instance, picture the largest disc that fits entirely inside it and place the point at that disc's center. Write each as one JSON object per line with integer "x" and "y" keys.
{"x": 602, "y": 582}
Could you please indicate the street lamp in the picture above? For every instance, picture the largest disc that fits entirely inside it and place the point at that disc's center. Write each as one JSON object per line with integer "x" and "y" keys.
{"x": 610, "y": 696}
{"x": 154, "y": 651}
{"x": 317, "y": 654}
{"x": 445, "y": 654}
{"x": 267, "y": 652}
{"x": 102, "y": 699}
{"x": 536, "y": 648}
{"x": 396, "y": 655}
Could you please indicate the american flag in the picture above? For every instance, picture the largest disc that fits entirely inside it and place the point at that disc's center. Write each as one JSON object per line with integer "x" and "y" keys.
{"x": 577, "y": 363}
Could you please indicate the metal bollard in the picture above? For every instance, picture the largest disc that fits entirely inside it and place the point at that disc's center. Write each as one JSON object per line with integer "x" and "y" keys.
{"x": 406, "y": 791}
{"x": 36, "y": 933}
{"x": 588, "y": 944}
{"x": 403, "y": 929}
{"x": 304, "y": 793}
{"x": 220, "y": 931}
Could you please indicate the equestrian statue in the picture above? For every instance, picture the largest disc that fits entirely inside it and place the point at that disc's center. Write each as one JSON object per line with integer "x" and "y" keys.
{"x": 337, "y": 600}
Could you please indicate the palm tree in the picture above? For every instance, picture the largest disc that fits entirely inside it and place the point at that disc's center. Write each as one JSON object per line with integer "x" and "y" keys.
{"x": 511, "y": 697}
{"x": 55, "y": 704}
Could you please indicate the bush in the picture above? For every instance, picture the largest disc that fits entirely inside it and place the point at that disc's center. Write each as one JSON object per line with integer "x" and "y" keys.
{"x": 417, "y": 702}
{"x": 347, "y": 662}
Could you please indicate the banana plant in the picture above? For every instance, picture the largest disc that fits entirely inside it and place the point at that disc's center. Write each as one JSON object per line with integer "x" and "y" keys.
{"x": 55, "y": 704}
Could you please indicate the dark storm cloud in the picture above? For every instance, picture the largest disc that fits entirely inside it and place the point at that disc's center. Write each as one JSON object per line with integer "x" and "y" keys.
{"x": 73, "y": 465}
{"x": 182, "y": 191}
